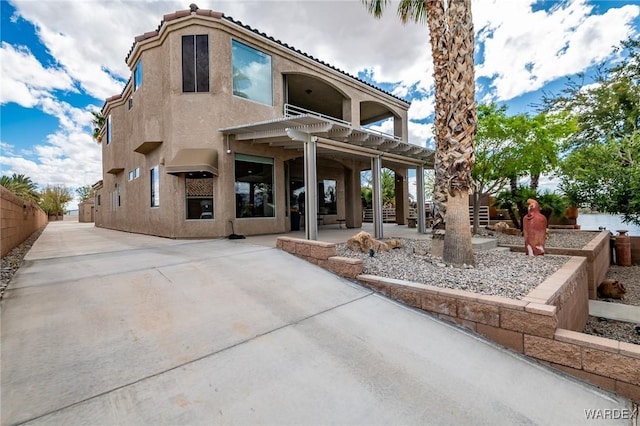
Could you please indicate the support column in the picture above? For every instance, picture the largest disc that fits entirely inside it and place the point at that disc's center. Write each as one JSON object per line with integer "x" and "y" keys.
{"x": 376, "y": 173}
{"x": 310, "y": 188}
{"x": 420, "y": 199}
{"x": 310, "y": 181}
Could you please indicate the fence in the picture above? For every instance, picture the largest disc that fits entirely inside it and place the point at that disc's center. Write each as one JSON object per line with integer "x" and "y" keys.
{"x": 18, "y": 220}
{"x": 389, "y": 215}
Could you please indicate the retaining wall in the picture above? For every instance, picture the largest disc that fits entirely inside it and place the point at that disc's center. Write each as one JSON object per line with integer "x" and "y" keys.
{"x": 545, "y": 325}
{"x": 18, "y": 220}
{"x": 598, "y": 255}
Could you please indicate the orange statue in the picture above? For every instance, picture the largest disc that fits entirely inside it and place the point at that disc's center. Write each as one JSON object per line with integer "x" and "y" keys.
{"x": 535, "y": 230}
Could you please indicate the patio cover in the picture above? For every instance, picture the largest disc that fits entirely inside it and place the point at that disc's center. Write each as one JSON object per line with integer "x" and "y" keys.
{"x": 194, "y": 160}
{"x": 333, "y": 136}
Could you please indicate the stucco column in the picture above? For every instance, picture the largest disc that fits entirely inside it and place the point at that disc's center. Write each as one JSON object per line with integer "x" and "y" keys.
{"x": 376, "y": 173}
{"x": 352, "y": 197}
{"x": 420, "y": 199}
{"x": 310, "y": 181}
{"x": 311, "y": 189}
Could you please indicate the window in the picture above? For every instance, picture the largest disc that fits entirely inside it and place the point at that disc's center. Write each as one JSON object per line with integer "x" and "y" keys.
{"x": 137, "y": 76}
{"x": 327, "y": 196}
{"x": 130, "y": 103}
{"x": 251, "y": 73}
{"x": 108, "y": 129}
{"x": 254, "y": 186}
{"x": 98, "y": 199}
{"x": 199, "y": 195}
{"x": 134, "y": 174}
{"x": 155, "y": 187}
{"x": 115, "y": 198}
{"x": 195, "y": 63}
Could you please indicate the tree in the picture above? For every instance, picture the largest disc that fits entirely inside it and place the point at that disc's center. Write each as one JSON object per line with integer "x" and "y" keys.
{"x": 602, "y": 166}
{"x": 21, "y": 186}
{"x": 512, "y": 148}
{"x": 388, "y": 181}
{"x": 55, "y": 199}
{"x": 452, "y": 43}
{"x": 98, "y": 123}
{"x": 85, "y": 192}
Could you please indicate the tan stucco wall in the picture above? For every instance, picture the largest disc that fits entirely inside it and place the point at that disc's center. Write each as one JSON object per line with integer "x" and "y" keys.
{"x": 161, "y": 112}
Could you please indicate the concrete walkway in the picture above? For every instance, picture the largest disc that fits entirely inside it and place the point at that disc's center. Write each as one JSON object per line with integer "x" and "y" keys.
{"x": 614, "y": 311}
{"x": 105, "y": 327}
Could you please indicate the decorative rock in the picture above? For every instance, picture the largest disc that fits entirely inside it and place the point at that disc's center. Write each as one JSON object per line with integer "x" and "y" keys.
{"x": 363, "y": 241}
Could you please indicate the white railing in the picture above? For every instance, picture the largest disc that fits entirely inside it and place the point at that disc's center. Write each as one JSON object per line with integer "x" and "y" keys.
{"x": 388, "y": 215}
{"x": 296, "y": 111}
{"x": 380, "y": 133}
{"x": 483, "y": 215}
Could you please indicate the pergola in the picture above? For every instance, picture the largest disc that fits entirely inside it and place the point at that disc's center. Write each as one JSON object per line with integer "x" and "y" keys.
{"x": 316, "y": 134}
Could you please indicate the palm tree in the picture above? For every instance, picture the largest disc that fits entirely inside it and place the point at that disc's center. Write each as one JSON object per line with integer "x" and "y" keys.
{"x": 452, "y": 43}
{"x": 98, "y": 124}
{"x": 22, "y": 186}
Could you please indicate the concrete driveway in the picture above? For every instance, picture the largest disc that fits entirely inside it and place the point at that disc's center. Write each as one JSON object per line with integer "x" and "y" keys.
{"x": 105, "y": 327}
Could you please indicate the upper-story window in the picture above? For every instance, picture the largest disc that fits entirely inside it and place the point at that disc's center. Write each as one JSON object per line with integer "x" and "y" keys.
{"x": 195, "y": 63}
{"x": 251, "y": 73}
{"x": 154, "y": 180}
{"x": 108, "y": 129}
{"x": 137, "y": 76}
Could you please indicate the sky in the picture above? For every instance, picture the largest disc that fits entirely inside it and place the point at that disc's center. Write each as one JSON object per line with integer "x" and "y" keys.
{"x": 60, "y": 59}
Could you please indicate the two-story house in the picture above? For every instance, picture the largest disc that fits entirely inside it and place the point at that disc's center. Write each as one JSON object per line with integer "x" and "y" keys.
{"x": 222, "y": 127}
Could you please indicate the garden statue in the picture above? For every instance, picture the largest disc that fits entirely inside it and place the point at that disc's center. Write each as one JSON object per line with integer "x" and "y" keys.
{"x": 534, "y": 229}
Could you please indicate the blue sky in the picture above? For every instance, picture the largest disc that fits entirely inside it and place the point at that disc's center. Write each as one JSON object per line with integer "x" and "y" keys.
{"x": 61, "y": 59}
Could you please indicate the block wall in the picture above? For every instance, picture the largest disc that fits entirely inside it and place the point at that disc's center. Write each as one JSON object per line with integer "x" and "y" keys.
{"x": 18, "y": 220}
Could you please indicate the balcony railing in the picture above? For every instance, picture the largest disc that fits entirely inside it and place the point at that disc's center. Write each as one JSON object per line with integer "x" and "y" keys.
{"x": 296, "y": 111}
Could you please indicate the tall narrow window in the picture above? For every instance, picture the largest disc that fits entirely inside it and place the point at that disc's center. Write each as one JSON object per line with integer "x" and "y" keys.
{"x": 251, "y": 73}
{"x": 199, "y": 194}
{"x": 108, "y": 129}
{"x": 195, "y": 63}
{"x": 137, "y": 76}
{"x": 254, "y": 186}
{"x": 155, "y": 187}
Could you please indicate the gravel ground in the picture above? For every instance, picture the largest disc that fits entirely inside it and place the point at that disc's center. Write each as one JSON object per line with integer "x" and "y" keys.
{"x": 617, "y": 330}
{"x": 12, "y": 260}
{"x": 499, "y": 273}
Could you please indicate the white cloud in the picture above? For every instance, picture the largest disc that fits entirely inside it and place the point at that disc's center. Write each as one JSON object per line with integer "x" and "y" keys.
{"x": 422, "y": 108}
{"x": 25, "y": 80}
{"x": 524, "y": 50}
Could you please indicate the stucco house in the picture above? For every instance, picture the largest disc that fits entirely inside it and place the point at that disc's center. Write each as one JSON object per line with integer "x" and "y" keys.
{"x": 223, "y": 128}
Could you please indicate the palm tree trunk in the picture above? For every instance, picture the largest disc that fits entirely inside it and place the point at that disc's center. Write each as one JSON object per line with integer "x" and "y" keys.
{"x": 437, "y": 22}
{"x": 461, "y": 121}
{"x": 458, "y": 249}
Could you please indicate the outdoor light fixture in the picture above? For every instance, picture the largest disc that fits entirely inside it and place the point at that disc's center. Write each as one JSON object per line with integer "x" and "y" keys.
{"x": 228, "y": 146}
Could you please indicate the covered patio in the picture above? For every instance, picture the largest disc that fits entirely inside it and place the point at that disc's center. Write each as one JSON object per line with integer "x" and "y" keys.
{"x": 318, "y": 136}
